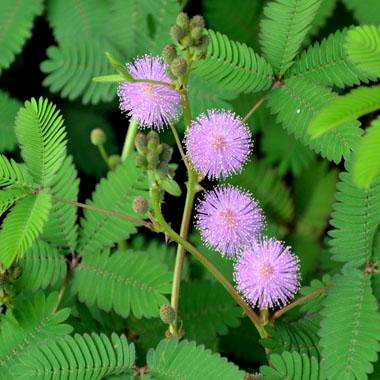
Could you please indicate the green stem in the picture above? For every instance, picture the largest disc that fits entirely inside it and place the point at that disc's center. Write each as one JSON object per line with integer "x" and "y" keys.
{"x": 130, "y": 137}
{"x": 298, "y": 302}
{"x": 254, "y": 108}
{"x": 103, "y": 153}
{"x": 179, "y": 146}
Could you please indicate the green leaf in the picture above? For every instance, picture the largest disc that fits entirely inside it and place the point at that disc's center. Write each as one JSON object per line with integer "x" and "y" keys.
{"x": 40, "y": 132}
{"x": 355, "y": 218}
{"x": 234, "y": 66}
{"x": 9, "y": 196}
{"x": 206, "y": 311}
{"x": 327, "y": 63}
{"x": 350, "y": 328}
{"x": 80, "y": 356}
{"x": 283, "y": 29}
{"x": 363, "y": 48}
{"x": 114, "y": 193}
{"x": 325, "y": 11}
{"x": 265, "y": 185}
{"x": 8, "y": 111}
{"x": 11, "y": 173}
{"x": 184, "y": 360}
{"x": 61, "y": 229}
{"x": 16, "y": 22}
{"x": 42, "y": 266}
{"x": 292, "y": 365}
{"x": 170, "y": 186}
{"x": 296, "y": 104}
{"x": 22, "y": 226}
{"x": 125, "y": 282}
{"x": 346, "y": 109}
{"x": 34, "y": 322}
{"x": 366, "y": 166}
{"x": 366, "y": 12}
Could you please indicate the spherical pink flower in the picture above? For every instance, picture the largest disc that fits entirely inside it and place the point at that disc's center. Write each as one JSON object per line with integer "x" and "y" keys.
{"x": 267, "y": 274}
{"x": 152, "y": 105}
{"x": 228, "y": 219}
{"x": 218, "y": 144}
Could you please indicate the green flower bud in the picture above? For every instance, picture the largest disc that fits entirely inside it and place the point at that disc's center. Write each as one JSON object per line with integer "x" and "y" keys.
{"x": 204, "y": 43}
{"x": 153, "y": 160}
{"x": 169, "y": 53}
{"x": 183, "y": 21}
{"x": 140, "y": 205}
{"x": 153, "y": 140}
{"x": 176, "y": 33}
{"x": 141, "y": 143}
{"x": 166, "y": 155}
{"x": 196, "y": 34}
{"x": 114, "y": 161}
{"x": 141, "y": 161}
{"x": 179, "y": 67}
{"x": 98, "y": 137}
{"x": 197, "y": 22}
{"x": 186, "y": 42}
{"x": 167, "y": 314}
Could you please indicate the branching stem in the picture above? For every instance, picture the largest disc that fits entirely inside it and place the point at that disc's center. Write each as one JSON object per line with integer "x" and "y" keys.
{"x": 130, "y": 137}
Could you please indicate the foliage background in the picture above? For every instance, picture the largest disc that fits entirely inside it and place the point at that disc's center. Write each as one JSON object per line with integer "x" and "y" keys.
{"x": 59, "y": 47}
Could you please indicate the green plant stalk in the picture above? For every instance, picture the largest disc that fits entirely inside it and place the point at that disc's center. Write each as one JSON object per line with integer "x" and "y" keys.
{"x": 129, "y": 143}
{"x": 103, "y": 153}
{"x": 192, "y": 188}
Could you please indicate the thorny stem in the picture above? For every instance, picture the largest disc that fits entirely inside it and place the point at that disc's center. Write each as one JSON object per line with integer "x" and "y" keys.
{"x": 130, "y": 139}
{"x": 105, "y": 212}
{"x": 298, "y": 302}
{"x": 192, "y": 188}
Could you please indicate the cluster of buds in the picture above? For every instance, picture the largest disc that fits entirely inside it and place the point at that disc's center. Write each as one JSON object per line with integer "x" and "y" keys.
{"x": 189, "y": 36}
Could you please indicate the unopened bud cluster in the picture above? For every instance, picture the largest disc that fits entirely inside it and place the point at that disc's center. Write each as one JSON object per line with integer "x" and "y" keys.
{"x": 188, "y": 35}
{"x": 152, "y": 155}
{"x": 167, "y": 314}
{"x": 98, "y": 137}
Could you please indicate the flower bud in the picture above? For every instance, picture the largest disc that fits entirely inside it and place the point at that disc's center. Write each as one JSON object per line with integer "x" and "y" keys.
{"x": 169, "y": 53}
{"x": 153, "y": 160}
{"x": 203, "y": 43}
{"x": 179, "y": 67}
{"x": 183, "y": 20}
{"x": 167, "y": 314}
{"x": 140, "y": 205}
{"x": 141, "y": 142}
{"x": 166, "y": 154}
{"x": 114, "y": 161}
{"x": 186, "y": 41}
{"x": 197, "y": 22}
{"x": 196, "y": 34}
{"x": 98, "y": 137}
{"x": 176, "y": 33}
{"x": 153, "y": 140}
{"x": 141, "y": 161}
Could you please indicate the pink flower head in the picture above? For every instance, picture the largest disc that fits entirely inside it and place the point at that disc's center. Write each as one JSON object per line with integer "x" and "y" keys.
{"x": 228, "y": 219}
{"x": 267, "y": 274}
{"x": 150, "y": 104}
{"x": 218, "y": 144}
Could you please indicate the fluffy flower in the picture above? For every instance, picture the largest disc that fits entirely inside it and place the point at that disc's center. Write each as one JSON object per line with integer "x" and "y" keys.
{"x": 150, "y": 104}
{"x": 267, "y": 274}
{"x": 228, "y": 219}
{"x": 218, "y": 144}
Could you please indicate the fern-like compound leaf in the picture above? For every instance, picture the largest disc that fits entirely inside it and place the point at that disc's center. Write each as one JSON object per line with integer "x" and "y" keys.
{"x": 22, "y": 226}
{"x": 42, "y": 138}
{"x": 61, "y": 229}
{"x": 11, "y": 173}
{"x": 234, "y": 66}
{"x": 16, "y": 21}
{"x": 292, "y": 365}
{"x": 363, "y": 49}
{"x": 297, "y": 103}
{"x": 350, "y": 328}
{"x": 366, "y": 12}
{"x": 42, "y": 266}
{"x": 283, "y": 28}
{"x": 325, "y": 11}
{"x": 327, "y": 63}
{"x": 9, "y": 196}
{"x": 346, "y": 109}
{"x": 91, "y": 357}
{"x": 125, "y": 282}
{"x": 355, "y": 222}
{"x": 185, "y": 360}
{"x": 8, "y": 111}
{"x": 115, "y": 193}
{"x": 366, "y": 165}
{"x": 34, "y": 321}
{"x": 207, "y": 311}
{"x": 267, "y": 188}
